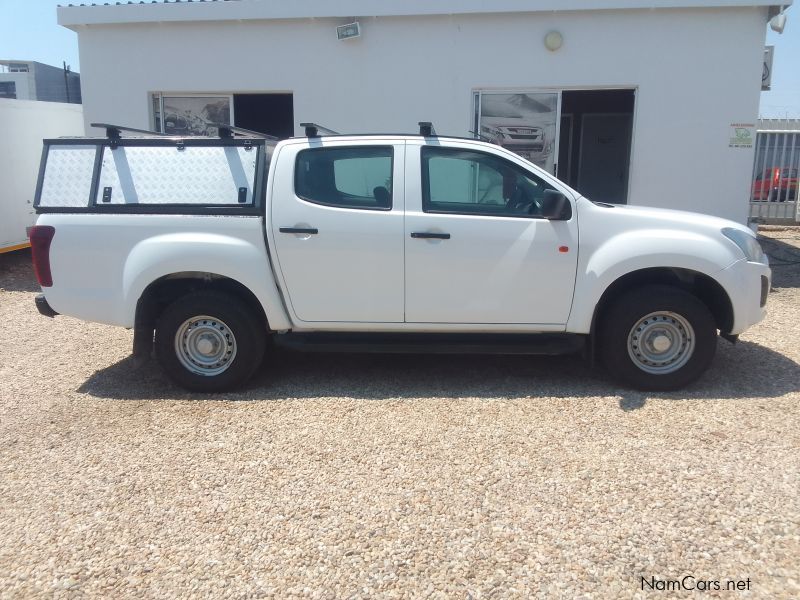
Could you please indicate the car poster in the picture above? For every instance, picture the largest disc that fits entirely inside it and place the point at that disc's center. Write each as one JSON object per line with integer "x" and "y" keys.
{"x": 522, "y": 123}
{"x": 193, "y": 115}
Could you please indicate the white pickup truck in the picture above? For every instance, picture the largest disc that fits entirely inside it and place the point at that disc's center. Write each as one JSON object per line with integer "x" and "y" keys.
{"x": 210, "y": 247}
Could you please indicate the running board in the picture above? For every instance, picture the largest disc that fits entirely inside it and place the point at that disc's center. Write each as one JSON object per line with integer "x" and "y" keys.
{"x": 433, "y": 343}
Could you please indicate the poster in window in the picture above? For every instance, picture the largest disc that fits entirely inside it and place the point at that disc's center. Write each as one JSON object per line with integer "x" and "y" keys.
{"x": 522, "y": 123}
{"x": 193, "y": 115}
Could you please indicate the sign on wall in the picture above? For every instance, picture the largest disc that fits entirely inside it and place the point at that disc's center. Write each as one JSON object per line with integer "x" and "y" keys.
{"x": 742, "y": 135}
{"x": 191, "y": 115}
{"x": 522, "y": 123}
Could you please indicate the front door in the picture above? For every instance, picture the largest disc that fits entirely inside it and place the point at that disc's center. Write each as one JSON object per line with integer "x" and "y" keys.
{"x": 476, "y": 250}
{"x": 337, "y": 223}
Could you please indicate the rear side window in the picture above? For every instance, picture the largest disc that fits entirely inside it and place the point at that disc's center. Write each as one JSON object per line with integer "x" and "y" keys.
{"x": 345, "y": 177}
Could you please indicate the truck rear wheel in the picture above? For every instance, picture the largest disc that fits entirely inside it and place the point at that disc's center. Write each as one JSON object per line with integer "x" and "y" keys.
{"x": 209, "y": 341}
{"x": 657, "y": 337}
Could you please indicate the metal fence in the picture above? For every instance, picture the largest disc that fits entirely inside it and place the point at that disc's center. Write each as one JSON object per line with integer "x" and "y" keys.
{"x": 774, "y": 187}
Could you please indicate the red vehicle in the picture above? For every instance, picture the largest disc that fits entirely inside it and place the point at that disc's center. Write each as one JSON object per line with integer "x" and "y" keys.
{"x": 776, "y": 185}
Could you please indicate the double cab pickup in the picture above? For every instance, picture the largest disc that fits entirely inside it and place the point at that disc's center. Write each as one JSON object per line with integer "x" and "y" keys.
{"x": 211, "y": 248}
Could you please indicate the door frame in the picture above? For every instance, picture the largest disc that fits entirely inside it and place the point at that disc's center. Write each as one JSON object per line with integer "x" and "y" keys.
{"x": 568, "y": 173}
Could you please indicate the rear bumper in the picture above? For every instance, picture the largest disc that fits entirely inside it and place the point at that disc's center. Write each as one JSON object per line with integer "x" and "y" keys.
{"x": 14, "y": 247}
{"x": 44, "y": 307}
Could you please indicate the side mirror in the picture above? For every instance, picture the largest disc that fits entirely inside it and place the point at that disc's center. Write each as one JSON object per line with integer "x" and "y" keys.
{"x": 555, "y": 206}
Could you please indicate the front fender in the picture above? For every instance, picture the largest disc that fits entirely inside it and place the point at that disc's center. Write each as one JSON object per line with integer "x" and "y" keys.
{"x": 601, "y": 265}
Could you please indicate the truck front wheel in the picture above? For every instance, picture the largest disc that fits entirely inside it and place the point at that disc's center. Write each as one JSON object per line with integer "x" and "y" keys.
{"x": 209, "y": 341}
{"x": 657, "y": 337}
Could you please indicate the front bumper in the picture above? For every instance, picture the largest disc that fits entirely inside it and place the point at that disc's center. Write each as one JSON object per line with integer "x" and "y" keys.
{"x": 748, "y": 285}
{"x": 44, "y": 307}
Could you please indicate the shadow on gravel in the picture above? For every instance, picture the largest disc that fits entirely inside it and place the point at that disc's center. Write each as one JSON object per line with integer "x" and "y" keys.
{"x": 745, "y": 371}
{"x": 16, "y": 272}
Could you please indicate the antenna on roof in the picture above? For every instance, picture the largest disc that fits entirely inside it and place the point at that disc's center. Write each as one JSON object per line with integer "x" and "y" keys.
{"x": 312, "y": 129}
{"x": 426, "y": 129}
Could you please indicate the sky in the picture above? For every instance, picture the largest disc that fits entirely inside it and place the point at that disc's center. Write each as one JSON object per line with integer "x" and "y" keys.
{"x": 28, "y": 31}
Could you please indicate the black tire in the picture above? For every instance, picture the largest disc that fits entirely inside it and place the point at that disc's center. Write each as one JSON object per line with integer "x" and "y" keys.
{"x": 237, "y": 350}
{"x": 628, "y": 310}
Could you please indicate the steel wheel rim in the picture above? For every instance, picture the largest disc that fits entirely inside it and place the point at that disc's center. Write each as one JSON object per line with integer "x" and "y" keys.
{"x": 661, "y": 342}
{"x": 205, "y": 345}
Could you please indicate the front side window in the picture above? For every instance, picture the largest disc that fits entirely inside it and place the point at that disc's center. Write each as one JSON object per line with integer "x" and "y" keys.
{"x": 476, "y": 183}
{"x": 346, "y": 177}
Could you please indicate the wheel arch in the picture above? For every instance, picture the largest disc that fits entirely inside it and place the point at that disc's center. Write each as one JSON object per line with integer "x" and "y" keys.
{"x": 161, "y": 292}
{"x": 704, "y": 287}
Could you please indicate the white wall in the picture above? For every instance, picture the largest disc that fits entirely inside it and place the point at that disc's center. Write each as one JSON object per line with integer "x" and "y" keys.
{"x": 696, "y": 71}
{"x": 24, "y": 124}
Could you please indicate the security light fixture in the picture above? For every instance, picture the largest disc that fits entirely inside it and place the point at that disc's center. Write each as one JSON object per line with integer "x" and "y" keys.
{"x": 351, "y": 30}
{"x": 778, "y": 22}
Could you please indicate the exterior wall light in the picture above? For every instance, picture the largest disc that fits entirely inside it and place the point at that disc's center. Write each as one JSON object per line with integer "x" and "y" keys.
{"x": 349, "y": 31}
{"x": 553, "y": 40}
{"x": 778, "y": 22}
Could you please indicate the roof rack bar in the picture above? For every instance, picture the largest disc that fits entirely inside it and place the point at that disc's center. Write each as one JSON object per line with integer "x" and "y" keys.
{"x": 313, "y": 129}
{"x": 228, "y": 131}
{"x": 114, "y": 132}
{"x": 481, "y": 137}
{"x": 426, "y": 129}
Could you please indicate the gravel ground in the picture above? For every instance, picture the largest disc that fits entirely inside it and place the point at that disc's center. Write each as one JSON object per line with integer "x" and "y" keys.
{"x": 412, "y": 476}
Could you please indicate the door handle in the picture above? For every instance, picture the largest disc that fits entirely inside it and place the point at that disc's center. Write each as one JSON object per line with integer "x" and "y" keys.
{"x": 429, "y": 235}
{"x": 306, "y": 230}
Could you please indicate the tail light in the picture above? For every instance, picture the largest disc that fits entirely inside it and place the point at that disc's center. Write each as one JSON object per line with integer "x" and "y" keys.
{"x": 41, "y": 236}
{"x": 777, "y": 177}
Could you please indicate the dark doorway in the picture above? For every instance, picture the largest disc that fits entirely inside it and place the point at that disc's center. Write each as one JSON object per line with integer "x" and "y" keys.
{"x": 272, "y": 114}
{"x": 595, "y": 142}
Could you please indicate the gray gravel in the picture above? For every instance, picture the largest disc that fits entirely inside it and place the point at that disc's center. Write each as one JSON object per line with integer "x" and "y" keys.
{"x": 413, "y": 476}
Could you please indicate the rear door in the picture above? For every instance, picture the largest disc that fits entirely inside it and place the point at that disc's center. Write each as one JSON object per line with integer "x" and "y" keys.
{"x": 336, "y": 217}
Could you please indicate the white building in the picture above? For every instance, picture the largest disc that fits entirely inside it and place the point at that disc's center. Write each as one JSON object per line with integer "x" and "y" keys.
{"x": 24, "y": 124}
{"x": 652, "y": 102}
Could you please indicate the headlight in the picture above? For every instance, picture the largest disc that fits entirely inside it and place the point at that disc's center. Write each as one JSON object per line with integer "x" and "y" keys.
{"x": 747, "y": 243}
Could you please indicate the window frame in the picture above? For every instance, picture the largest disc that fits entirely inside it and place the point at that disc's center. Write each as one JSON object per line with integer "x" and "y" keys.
{"x": 426, "y": 189}
{"x": 10, "y": 90}
{"x": 157, "y": 110}
{"x": 348, "y": 147}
